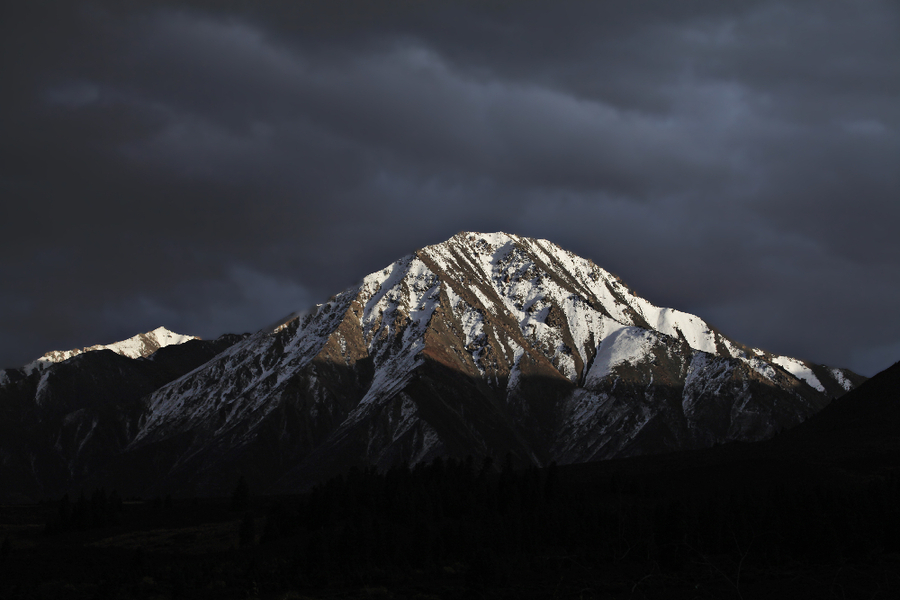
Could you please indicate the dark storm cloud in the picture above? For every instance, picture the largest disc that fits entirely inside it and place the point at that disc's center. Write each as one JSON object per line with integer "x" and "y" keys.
{"x": 212, "y": 166}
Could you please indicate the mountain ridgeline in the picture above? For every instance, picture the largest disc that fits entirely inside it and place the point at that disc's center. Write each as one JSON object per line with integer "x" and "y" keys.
{"x": 484, "y": 345}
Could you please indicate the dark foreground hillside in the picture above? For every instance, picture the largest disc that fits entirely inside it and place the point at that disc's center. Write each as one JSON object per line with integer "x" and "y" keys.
{"x": 467, "y": 529}
{"x": 814, "y": 513}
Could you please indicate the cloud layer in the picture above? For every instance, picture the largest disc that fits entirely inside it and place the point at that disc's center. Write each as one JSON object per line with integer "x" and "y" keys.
{"x": 210, "y": 167}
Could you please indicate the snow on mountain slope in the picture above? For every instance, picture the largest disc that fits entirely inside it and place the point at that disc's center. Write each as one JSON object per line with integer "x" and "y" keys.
{"x": 480, "y": 344}
{"x": 142, "y": 344}
{"x": 841, "y": 379}
{"x": 564, "y": 304}
{"x": 799, "y": 370}
{"x": 248, "y": 379}
{"x": 625, "y": 345}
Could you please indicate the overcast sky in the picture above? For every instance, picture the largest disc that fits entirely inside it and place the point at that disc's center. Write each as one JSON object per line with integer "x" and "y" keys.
{"x": 212, "y": 166}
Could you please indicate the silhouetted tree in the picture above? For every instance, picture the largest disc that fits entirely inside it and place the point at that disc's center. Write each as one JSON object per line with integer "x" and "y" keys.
{"x": 487, "y": 465}
{"x": 114, "y": 505}
{"x": 65, "y": 511}
{"x": 552, "y": 481}
{"x": 240, "y": 498}
{"x": 99, "y": 508}
{"x": 279, "y": 523}
{"x": 80, "y": 516}
{"x": 247, "y": 532}
{"x": 668, "y": 534}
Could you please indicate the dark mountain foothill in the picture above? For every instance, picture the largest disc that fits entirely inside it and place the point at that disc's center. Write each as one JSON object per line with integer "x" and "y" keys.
{"x": 60, "y": 424}
{"x": 858, "y": 431}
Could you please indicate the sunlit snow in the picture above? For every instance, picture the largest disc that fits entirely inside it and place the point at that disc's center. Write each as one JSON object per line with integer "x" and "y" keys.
{"x": 507, "y": 296}
{"x": 799, "y": 370}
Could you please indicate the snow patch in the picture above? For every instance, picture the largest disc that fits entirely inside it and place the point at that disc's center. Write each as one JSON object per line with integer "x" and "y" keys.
{"x": 514, "y": 371}
{"x": 841, "y": 379}
{"x": 41, "y": 392}
{"x": 140, "y": 345}
{"x": 799, "y": 370}
{"x": 672, "y": 322}
{"x": 430, "y": 439}
{"x": 761, "y": 367}
{"x": 624, "y": 345}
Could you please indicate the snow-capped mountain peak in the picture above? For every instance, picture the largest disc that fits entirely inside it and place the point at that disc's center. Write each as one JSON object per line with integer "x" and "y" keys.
{"x": 485, "y": 343}
{"x": 140, "y": 345}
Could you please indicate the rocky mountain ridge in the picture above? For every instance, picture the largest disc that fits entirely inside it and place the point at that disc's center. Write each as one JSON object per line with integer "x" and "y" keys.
{"x": 63, "y": 421}
{"x": 483, "y": 345}
{"x": 138, "y": 346}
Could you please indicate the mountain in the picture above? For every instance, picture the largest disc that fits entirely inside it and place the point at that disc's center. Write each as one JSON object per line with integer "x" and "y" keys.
{"x": 486, "y": 344}
{"x": 66, "y": 415}
{"x": 141, "y": 345}
{"x": 849, "y": 448}
{"x": 857, "y": 431}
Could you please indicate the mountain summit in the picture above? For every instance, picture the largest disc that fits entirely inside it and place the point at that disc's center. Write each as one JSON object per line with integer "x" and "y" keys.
{"x": 485, "y": 344}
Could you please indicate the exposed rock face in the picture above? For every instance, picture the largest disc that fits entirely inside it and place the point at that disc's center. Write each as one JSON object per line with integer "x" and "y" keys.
{"x": 63, "y": 422}
{"x": 482, "y": 345}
